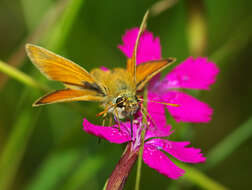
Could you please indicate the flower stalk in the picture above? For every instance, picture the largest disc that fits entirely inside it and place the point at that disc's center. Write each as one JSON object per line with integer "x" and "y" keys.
{"x": 120, "y": 174}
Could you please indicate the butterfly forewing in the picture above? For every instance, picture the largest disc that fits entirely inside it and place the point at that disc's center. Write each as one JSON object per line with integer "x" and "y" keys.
{"x": 146, "y": 71}
{"x": 82, "y": 85}
{"x": 60, "y": 69}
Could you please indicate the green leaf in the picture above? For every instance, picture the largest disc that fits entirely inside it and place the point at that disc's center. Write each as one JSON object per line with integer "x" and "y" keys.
{"x": 241, "y": 37}
{"x": 196, "y": 177}
{"x": 15, "y": 147}
{"x": 84, "y": 172}
{"x": 54, "y": 170}
{"x": 33, "y": 13}
{"x": 200, "y": 179}
{"x": 58, "y": 36}
{"x": 229, "y": 144}
{"x": 19, "y": 75}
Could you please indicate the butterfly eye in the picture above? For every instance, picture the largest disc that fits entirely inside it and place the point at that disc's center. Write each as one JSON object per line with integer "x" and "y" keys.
{"x": 137, "y": 98}
{"x": 119, "y": 99}
{"x": 119, "y": 102}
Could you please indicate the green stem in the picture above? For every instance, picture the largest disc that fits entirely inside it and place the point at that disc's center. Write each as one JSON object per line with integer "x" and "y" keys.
{"x": 197, "y": 27}
{"x": 18, "y": 75}
{"x": 140, "y": 155}
{"x": 105, "y": 185}
{"x": 139, "y": 161}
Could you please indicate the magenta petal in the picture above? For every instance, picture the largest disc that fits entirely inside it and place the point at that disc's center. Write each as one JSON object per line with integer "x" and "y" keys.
{"x": 158, "y": 131}
{"x": 189, "y": 110}
{"x": 179, "y": 150}
{"x": 156, "y": 110}
{"x": 157, "y": 160}
{"x": 157, "y": 118}
{"x": 148, "y": 49}
{"x": 193, "y": 73}
{"x": 112, "y": 134}
{"x": 104, "y": 68}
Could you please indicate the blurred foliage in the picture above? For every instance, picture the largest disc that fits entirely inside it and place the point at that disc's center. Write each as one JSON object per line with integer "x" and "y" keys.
{"x": 46, "y": 148}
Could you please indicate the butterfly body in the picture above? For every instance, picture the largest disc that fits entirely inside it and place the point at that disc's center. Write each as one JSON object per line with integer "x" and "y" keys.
{"x": 118, "y": 91}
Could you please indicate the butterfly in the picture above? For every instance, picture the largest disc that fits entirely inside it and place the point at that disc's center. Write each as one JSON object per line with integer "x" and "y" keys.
{"x": 116, "y": 90}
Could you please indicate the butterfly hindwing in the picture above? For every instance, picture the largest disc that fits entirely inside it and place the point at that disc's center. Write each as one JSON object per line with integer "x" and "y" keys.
{"x": 68, "y": 95}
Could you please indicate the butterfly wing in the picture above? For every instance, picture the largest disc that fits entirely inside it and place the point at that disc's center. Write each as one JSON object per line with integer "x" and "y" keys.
{"x": 68, "y": 95}
{"x": 146, "y": 71}
{"x": 82, "y": 85}
{"x": 142, "y": 73}
{"x": 60, "y": 69}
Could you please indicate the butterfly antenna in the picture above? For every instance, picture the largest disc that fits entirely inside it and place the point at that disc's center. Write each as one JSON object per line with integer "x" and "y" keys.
{"x": 117, "y": 120}
{"x": 164, "y": 103}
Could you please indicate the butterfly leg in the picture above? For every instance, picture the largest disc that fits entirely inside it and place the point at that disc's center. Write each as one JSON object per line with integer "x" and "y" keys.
{"x": 103, "y": 121}
{"x": 110, "y": 120}
{"x": 131, "y": 127}
{"x": 99, "y": 140}
{"x": 117, "y": 120}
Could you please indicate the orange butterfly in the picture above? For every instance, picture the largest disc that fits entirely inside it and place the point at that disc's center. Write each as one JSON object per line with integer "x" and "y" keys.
{"x": 116, "y": 90}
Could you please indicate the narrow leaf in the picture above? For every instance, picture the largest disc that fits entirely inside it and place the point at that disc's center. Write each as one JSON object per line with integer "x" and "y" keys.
{"x": 15, "y": 147}
{"x": 84, "y": 172}
{"x": 229, "y": 144}
{"x": 54, "y": 170}
{"x": 19, "y": 75}
{"x": 198, "y": 178}
{"x": 58, "y": 36}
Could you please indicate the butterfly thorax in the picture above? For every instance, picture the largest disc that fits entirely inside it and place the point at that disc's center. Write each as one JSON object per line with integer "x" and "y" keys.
{"x": 121, "y": 98}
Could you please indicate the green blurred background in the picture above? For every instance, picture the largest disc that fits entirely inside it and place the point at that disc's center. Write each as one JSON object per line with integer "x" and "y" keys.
{"x": 46, "y": 149}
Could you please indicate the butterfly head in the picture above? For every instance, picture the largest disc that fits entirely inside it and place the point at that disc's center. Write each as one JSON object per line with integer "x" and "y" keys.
{"x": 126, "y": 105}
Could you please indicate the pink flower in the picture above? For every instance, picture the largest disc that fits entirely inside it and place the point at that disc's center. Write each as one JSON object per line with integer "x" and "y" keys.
{"x": 153, "y": 144}
{"x": 192, "y": 73}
